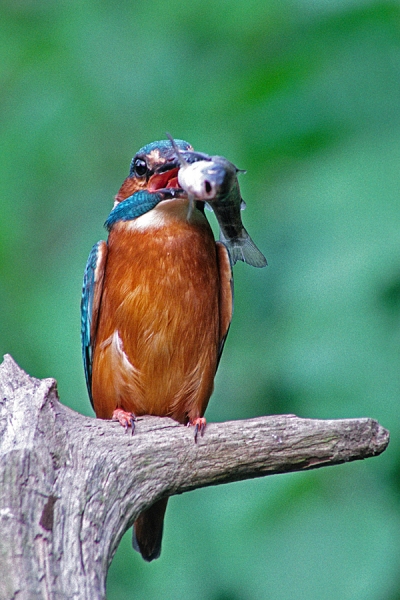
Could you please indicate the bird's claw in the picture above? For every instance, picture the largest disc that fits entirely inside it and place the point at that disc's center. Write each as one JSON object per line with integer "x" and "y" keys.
{"x": 124, "y": 418}
{"x": 199, "y": 424}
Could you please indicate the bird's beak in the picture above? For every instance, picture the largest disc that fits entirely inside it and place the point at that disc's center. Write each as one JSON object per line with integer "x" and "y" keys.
{"x": 166, "y": 179}
{"x": 165, "y": 176}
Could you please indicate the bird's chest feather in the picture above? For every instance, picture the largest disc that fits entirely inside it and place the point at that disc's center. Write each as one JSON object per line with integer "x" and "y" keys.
{"x": 159, "y": 322}
{"x": 156, "y": 273}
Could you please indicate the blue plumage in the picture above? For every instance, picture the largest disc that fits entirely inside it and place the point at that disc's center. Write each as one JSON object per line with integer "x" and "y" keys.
{"x": 163, "y": 145}
{"x": 88, "y": 290}
{"x": 133, "y": 207}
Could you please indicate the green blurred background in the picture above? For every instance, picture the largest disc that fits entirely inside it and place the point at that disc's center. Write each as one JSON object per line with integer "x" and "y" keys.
{"x": 305, "y": 95}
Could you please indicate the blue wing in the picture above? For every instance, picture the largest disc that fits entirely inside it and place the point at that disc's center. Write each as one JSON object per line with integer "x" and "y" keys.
{"x": 91, "y": 297}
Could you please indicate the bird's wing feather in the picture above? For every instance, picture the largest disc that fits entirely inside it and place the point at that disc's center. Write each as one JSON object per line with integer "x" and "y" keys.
{"x": 91, "y": 296}
{"x": 226, "y": 294}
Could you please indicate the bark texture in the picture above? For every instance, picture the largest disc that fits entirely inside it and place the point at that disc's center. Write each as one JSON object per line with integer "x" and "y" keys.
{"x": 70, "y": 486}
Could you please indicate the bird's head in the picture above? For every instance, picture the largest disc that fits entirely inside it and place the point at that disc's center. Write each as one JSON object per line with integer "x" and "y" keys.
{"x": 153, "y": 168}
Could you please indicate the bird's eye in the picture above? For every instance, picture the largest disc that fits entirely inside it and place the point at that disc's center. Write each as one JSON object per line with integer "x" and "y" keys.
{"x": 140, "y": 167}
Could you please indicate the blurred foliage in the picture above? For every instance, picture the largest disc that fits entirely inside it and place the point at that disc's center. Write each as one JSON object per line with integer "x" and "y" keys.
{"x": 305, "y": 95}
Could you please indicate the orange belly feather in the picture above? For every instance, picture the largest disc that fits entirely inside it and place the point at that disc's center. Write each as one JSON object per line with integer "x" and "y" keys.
{"x": 156, "y": 348}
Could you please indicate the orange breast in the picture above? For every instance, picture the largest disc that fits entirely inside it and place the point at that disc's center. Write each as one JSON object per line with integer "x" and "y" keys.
{"x": 157, "y": 339}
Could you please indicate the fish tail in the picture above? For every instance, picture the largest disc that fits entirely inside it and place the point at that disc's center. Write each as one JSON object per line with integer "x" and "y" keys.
{"x": 243, "y": 248}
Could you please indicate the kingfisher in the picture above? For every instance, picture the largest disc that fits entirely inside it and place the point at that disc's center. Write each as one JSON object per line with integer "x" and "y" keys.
{"x": 156, "y": 309}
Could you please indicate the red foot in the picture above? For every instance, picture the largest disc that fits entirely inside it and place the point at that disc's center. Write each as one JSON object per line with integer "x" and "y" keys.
{"x": 199, "y": 426}
{"x": 126, "y": 419}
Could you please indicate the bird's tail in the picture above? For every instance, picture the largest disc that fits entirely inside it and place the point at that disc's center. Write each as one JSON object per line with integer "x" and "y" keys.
{"x": 148, "y": 530}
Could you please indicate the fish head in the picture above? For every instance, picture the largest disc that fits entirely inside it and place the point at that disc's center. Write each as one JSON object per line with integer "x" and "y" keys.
{"x": 207, "y": 179}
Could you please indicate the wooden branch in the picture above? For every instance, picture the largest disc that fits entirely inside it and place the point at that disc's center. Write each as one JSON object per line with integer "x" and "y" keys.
{"x": 70, "y": 486}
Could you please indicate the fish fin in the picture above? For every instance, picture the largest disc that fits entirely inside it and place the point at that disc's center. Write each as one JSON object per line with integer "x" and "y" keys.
{"x": 178, "y": 153}
{"x": 243, "y": 248}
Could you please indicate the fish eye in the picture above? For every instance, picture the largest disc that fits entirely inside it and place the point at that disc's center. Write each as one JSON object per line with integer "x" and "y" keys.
{"x": 139, "y": 167}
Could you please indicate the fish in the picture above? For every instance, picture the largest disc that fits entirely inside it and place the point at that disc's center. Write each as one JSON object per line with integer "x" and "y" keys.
{"x": 213, "y": 180}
